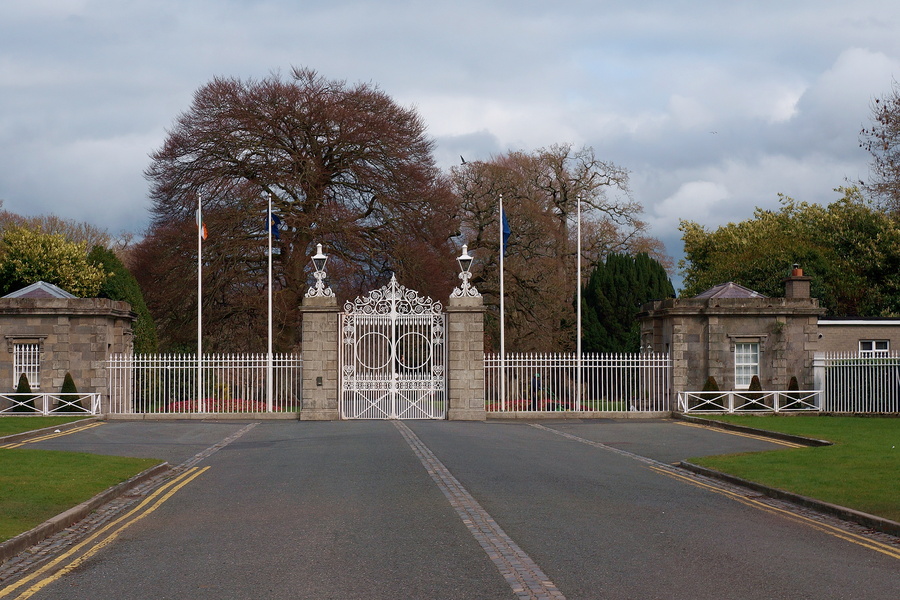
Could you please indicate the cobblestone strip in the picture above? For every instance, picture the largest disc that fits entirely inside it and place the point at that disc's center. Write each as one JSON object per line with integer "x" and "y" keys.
{"x": 638, "y": 457}
{"x": 741, "y": 493}
{"x": 40, "y": 553}
{"x": 522, "y": 574}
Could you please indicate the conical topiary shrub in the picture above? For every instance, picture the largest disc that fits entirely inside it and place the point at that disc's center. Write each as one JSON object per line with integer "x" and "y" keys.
{"x": 710, "y": 398}
{"x": 793, "y": 400}
{"x": 755, "y": 386}
{"x": 24, "y": 403}
{"x": 69, "y": 393}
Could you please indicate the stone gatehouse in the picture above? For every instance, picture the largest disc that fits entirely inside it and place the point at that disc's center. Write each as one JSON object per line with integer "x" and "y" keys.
{"x": 48, "y": 332}
{"x": 732, "y": 333}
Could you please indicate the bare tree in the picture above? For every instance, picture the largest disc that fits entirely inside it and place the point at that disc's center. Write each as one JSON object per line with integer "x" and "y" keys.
{"x": 345, "y": 166}
{"x": 882, "y": 140}
{"x": 74, "y": 231}
{"x": 540, "y": 193}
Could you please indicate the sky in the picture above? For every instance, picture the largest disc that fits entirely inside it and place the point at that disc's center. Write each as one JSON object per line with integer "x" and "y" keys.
{"x": 714, "y": 107}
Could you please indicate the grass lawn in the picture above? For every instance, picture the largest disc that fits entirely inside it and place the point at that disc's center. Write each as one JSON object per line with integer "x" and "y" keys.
{"x": 38, "y": 484}
{"x": 10, "y": 425}
{"x": 861, "y": 470}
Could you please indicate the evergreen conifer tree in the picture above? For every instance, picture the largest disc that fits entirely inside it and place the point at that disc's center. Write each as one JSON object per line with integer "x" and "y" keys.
{"x": 614, "y": 293}
{"x": 123, "y": 286}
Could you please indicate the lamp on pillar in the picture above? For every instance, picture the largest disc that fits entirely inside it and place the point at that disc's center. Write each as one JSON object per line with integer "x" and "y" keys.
{"x": 319, "y": 290}
{"x": 464, "y": 261}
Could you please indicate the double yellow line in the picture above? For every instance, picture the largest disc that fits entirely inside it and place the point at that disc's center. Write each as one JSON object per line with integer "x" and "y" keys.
{"x": 50, "y": 436}
{"x": 101, "y": 538}
{"x": 746, "y": 435}
{"x": 837, "y": 532}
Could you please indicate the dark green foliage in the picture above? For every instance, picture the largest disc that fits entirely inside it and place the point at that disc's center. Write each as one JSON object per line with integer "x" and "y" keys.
{"x": 123, "y": 286}
{"x": 849, "y": 248}
{"x": 26, "y": 403}
{"x": 753, "y": 394}
{"x": 68, "y": 386}
{"x": 711, "y": 385}
{"x": 611, "y": 300}
{"x": 793, "y": 399}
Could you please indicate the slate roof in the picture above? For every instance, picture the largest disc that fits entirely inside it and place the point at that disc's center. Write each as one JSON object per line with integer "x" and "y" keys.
{"x": 729, "y": 290}
{"x": 41, "y": 289}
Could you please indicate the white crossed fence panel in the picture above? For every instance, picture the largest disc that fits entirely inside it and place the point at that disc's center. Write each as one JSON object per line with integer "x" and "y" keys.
{"x": 745, "y": 401}
{"x": 229, "y": 383}
{"x": 50, "y": 404}
{"x": 549, "y": 382}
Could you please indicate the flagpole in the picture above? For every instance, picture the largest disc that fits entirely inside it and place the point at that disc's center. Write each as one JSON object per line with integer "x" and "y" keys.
{"x": 502, "y": 318}
{"x": 200, "y": 403}
{"x": 578, "y": 312}
{"x": 269, "y": 354}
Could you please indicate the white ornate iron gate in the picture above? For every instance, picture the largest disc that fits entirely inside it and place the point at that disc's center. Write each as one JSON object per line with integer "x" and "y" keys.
{"x": 393, "y": 356}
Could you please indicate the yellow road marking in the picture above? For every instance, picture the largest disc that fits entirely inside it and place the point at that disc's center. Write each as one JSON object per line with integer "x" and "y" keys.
{"x": 166, "y": 491}
{"x": 823, "y": 527}
{"x": 50, "y": 436}
{"x": 742, "y": 434}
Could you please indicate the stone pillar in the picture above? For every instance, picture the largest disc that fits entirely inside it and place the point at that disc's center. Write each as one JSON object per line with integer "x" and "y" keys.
{"x": 465, "y": 374}
{"x": 320, "y": 359}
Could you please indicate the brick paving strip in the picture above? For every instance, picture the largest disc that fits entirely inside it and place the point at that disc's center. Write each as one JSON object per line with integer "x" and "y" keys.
{"x": 526, "y": 579}
{"x": 41, "y": 546}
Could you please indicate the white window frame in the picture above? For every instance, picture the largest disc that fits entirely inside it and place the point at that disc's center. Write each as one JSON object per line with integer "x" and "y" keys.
{"x": 874, "y": 348}
{"x": 27, "y": 359}
{"x": 746, "y": 363}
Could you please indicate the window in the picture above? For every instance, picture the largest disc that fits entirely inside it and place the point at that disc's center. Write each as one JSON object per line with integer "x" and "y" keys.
{"x": 746, "y": 363}
{"x": 27, "y": 359}
{"x": 873, "y": 348}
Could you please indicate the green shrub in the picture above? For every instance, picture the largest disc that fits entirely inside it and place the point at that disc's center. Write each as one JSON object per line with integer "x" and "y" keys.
{"x": 68, "y": 386}
{"x": 792, "y": 399}
{"x": 26, "y": 404}
{"x": 755, "y": 386}
{"x": 68, "y": 393}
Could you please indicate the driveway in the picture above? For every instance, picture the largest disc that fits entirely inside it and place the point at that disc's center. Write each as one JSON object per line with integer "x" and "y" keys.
{"x": 436, "y": 509}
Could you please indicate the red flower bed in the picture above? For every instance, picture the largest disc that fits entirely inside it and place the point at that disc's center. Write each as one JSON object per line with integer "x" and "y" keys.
{"x": 217, "y": 405}
{"x": 522, "y": 404}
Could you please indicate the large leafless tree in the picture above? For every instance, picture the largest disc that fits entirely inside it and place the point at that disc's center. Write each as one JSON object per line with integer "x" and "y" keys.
{"x": 345, "y": 166}
{"x": 540, "y": 194}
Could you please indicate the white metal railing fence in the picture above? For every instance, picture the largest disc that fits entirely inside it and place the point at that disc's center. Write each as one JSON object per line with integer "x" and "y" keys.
{"x": 229, "y": 383}
{"x": 743, "y": 400}
{"x": 855, "y": 384}
{"x": 549, "y": 382}
{"x": 49, "y": 404}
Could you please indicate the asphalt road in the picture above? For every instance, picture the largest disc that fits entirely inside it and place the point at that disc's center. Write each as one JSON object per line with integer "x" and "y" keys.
{"x": 348, "y": 510}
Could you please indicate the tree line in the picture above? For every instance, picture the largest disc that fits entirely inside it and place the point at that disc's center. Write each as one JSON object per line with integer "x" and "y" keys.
{"x": 345, "y": 166}
{"x": 77, "y": 257}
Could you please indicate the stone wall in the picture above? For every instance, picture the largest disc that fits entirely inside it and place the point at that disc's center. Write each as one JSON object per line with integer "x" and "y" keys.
{"x": 465, "y": 376}
{"x": 320, "y": 359}
{"x": 74, "y": 335}
{"x": 701, "y": 334}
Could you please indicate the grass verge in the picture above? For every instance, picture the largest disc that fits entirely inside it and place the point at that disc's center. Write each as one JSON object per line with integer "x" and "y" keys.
{"x": 859, "y": 471}
{"x": 15, "y": 424}
{"x": 38, "y": 484}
